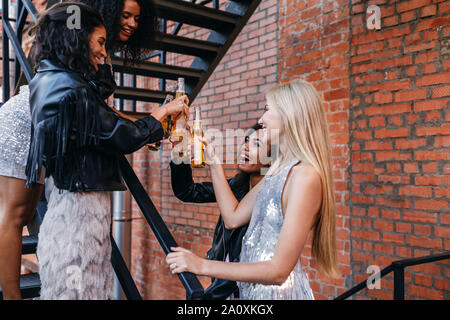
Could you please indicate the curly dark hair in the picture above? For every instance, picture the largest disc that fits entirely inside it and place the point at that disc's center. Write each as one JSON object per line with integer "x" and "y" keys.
{"x": 140, "y": 43}
{"x": 67, "y": 47}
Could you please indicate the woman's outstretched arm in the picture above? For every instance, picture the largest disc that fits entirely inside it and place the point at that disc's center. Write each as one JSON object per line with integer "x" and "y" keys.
{"x": 233, "y": 212}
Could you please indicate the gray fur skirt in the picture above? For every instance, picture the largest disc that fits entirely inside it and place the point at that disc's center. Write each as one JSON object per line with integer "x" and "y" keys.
{"x": 74, "y": 248}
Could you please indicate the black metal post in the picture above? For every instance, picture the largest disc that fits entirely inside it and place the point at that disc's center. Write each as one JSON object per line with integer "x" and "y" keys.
{"x": 162, "y": 56}
{"x": 123, "y": 274}
{"x": 399, "y": 281}
{"x": 5, "y": 51}
{"x": 21, "y": 16}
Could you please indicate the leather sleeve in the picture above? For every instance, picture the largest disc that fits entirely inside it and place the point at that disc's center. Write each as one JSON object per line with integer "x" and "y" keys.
{"x": 184, "y": 187}
{"x": 116, "y": 134}
{"x": 121, "y": 135}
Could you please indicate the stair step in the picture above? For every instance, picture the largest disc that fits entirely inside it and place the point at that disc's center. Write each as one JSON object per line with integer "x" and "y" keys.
{"x": 30, "y": 286}
{"x": 194, "y": 14}
{"x": 188, "y": 46}
{"x": 29, "y": 244}
{"x": 157, "y": 70}
{"x": 130, "y": 93}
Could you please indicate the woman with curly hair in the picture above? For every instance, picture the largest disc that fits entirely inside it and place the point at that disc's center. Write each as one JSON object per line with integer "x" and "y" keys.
{"x": 76, "y": 141}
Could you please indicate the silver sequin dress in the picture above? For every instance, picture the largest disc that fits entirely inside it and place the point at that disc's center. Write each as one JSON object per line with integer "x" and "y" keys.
{"x": 15, "y": 131}
{"x": 261, "y": 239}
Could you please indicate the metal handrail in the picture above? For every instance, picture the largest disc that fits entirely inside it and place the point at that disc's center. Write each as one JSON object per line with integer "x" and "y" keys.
{"x": 398, "y": 268}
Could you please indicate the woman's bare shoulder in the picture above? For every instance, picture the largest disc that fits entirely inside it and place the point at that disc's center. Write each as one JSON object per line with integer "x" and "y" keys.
{"x": 305, "y": 175}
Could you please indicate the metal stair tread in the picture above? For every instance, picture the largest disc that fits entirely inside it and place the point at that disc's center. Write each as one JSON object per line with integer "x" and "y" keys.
{"x": 131, "y": 93}
{"x": 194, "y": 14}
{"x": 30, "y": 285}
{"x": 184, "y": 45}
{"x": 159, "y": 70}
{"x": 29, "y": 244}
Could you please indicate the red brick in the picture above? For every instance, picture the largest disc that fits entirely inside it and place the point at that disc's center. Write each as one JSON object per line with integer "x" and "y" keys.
{"x": 410, "y": 95}
{"x": 433, "y": 79}
{"x": 442, "y": 232}
{"x": 430, "y": 105}
{"x": 412, "y": 191}
{"x": 433, "y": 23}
{"x": 410, "y": 143}
{"x": 378, "y": 145}
{"x": 390, "y": 109}
{"x": 431, "y": 180}
{"x": 407, "y": 16}
{"x": 430, "y": 204}
{"x": 384, "y": 225}
{"x": 391, "y": 133}
{"x": 421, "y": 217}
{"x": 382, "y": 98}
{"x": 413, "y": 4}
{"x": 431, "y": 155}
{"x": 440, "y": 92}
{"x": 377, "y": 122}
{"x": 393, "y": 238}
{"x": 397, "y": 203}
{"x": 444, "y": 7}
{"x": 403, "y": 228}
{"x": 366, "y": 235}
{"x": 424, "y": 242}
{"x": 428, "y": 11}
{"x": 420, "y": 47}
{"x": 430, "y": 167}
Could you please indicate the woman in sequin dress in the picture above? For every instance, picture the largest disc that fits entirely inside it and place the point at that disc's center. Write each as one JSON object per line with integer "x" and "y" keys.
{"x": 295, "y": 198}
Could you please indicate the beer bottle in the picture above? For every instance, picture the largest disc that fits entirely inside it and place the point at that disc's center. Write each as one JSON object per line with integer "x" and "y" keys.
{"x": 166, "y": 125}
{"x": 198, "y": 159}
{"x": 179, "y": 121}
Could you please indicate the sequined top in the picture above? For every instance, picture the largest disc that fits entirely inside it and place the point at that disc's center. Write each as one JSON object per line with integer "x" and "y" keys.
{"x": 15, "y": 131}
{"x": 261, "y": 239}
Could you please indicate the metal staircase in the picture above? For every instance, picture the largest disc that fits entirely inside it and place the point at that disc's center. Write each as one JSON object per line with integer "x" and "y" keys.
{"x": 223, "y": 26}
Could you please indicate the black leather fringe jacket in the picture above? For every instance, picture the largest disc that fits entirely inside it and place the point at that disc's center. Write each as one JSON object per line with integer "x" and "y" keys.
{"x": 76, "y": 136}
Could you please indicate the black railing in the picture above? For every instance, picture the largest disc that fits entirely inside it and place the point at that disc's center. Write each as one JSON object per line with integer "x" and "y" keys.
{"x": 398, "y": 267}
{"x": 194, "y": 290}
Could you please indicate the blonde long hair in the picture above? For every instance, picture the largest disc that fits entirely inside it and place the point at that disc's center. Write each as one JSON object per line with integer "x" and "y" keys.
{"x": 306, "y": 138}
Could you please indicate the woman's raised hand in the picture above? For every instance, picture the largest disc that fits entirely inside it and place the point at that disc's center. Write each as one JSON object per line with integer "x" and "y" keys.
{"x": 178, "y": 105}
{"x": 211, "y": 157}
{"x": 175, "y": 107}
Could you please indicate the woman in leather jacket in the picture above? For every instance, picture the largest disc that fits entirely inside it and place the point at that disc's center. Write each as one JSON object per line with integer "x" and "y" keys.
{"x": 76, "y": 140}
{"x": 226, "y": 242}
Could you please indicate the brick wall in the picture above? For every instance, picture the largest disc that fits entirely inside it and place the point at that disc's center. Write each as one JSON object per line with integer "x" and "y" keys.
{"x": 399, "y": 139}
{"x": 314, "y": 46}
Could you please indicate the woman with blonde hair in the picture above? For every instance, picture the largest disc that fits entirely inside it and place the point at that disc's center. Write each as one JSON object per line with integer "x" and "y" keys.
{"x": 296, "y": 197}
